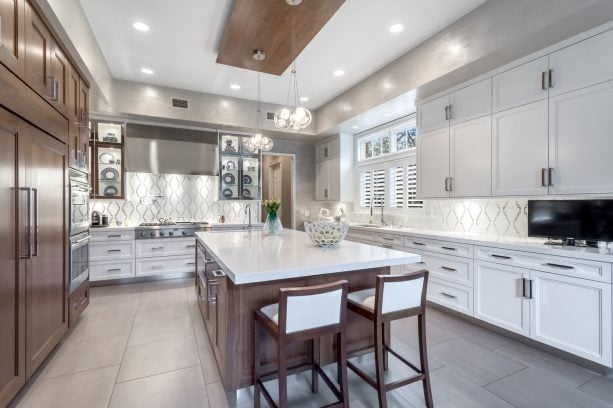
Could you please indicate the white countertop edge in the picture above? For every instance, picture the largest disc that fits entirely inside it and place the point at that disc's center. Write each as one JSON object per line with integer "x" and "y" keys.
{"x": 527, "y": 244}
{"x": 112, "y": 228}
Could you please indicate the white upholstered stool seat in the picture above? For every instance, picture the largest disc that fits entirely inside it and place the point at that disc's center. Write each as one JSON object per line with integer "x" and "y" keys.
{"x": 272, "y": 312}
{"x": 364, "y": 297}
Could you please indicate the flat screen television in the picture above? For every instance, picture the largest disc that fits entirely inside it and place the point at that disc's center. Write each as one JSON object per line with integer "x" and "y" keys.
{"x": 590, "y": 220}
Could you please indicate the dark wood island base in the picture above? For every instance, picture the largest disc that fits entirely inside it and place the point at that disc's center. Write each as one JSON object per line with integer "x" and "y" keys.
{"x": 227, "y": 310}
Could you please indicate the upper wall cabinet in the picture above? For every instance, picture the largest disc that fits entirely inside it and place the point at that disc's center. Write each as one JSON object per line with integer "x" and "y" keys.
{"x": 328, "y": 150}
{"x": 521, "y": 85}
{"x": 581, "y": 141}
{"x": 333, "y": 178}
{"x": 471, "y": 158}
{"x": 471, "y": 102}
{"x": 39, "y": 44}
{"x": 12, "y": 35}
{"x": 59, "y": 79}
{"x": 433, "y": 115}
{"x": 433, "y": 163}
{"x": 583, "y": 64}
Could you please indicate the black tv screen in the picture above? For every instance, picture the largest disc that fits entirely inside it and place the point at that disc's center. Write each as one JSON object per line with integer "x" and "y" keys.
{"x": 579, "y": 219}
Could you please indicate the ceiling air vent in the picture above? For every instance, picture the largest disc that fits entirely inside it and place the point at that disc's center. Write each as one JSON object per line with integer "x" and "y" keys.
{"x": 270, "y": 116}
{"x": 179, "y": 103}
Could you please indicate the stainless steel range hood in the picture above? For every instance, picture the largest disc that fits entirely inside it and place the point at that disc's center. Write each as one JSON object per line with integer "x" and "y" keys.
{"x": 166, "y": 150}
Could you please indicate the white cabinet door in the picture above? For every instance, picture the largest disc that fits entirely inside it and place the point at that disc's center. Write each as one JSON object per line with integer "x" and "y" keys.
{"x": 572, "y": 314}
{"x": 433, "y": 115}
{"x": 581, "y": 140}
{"x": 471, "y": 102}
{"x": 322, "y": 152}
{"x": 520, "y": 150}
{"x": 471, "y": 158}
{"x": 334, "y": 180}
{"x": 583, "y": 64}
{"x": 433, "y": 163}
{"x": 499, "y": 296}
{"x": 321, "y": 181}
{"x": 524, "y": 84}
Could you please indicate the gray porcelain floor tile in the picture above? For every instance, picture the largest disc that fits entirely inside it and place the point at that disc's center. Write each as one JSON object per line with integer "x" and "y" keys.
{"x": 478, "y": 364}
{"x": 113, "y": 293}
{"x": 177, "y": 389}
{"x": 476, "y": 334}
{"x": 529, "y": 388}
{"x": 156, "y": 358}
{"x": 450, "y": 390}
{"x": 160, "y": 296}
{"x": 108, "y": 310}
{"x": 406, "y": 330}
{"x": 73, "y": 357}
{"x": 548, "y": 364}
{"x": 90, "y": 389}
{"x": 163, "y": 285}
{"x": 88, "y": 330}
{"x": 152, "y": 331}
{"x": 600, "y": 387}
{"x": 436, "y": 316}
{"x": 161, "y": 309}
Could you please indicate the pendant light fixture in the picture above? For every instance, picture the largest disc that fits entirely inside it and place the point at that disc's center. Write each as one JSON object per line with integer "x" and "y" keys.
{"x": 292, "y": 116}
{"x": 259, "y": 142}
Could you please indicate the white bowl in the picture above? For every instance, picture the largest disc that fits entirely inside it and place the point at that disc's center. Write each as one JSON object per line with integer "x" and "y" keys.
{"x": 326, "y": 234}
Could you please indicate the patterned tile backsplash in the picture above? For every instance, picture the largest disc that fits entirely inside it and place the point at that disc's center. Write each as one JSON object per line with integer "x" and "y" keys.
{"x": 183, "y": 198}
{"x": 508, "y": 216}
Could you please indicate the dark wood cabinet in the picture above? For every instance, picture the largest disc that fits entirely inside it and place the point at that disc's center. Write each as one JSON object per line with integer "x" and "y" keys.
{"x": 78, "y": 112}
{"x": 13, "y": 234}
{"x": 58, "y": 80}
{"x": 12, "y": 35}
{"x": 38, "y": 48}
{"x": 84, "y": 124}
{"x": 46, "y": 277}
{"x": 77, "y": 302}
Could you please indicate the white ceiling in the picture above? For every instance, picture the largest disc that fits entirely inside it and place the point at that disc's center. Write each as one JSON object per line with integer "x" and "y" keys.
{"x": 181, "y": 46}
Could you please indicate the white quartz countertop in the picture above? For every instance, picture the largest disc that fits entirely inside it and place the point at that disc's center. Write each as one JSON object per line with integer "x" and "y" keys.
{"x": 515, "y": 243}
{"x": 251, "y": 256}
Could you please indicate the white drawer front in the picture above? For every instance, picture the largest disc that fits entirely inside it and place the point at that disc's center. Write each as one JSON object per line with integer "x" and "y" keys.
{"x": 579, "y": 268}
{"x": 111, "y": 235}
{"x": 99, "y": 271}
{"x": 165, "y": 265}
{"x": 111, "y": 250}
{"x": 360, "y": 235}
{"x": 451, "y": 295}
{"x": 390, "y": 239}
{"x": 443, "y": 247}
{"x": 165, "y": 247}
{"x": 449, "y": 268}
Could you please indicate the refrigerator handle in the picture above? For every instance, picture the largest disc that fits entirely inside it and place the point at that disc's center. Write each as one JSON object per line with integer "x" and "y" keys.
{"x": 28, "y": 227}
{"x": 34, "y": 192}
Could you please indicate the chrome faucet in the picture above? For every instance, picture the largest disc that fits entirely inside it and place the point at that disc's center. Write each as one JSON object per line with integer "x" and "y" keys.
{"x": 381, "y": 204}
{"x": 248, "y": 212}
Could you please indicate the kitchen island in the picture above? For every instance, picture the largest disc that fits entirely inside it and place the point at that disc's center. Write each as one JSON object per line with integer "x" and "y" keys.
{"x": 239, "y": 272}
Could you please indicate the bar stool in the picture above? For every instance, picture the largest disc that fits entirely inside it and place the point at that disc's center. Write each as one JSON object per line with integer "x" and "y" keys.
{"x": 303, "y": 314}
{"x": 395, "y": 297}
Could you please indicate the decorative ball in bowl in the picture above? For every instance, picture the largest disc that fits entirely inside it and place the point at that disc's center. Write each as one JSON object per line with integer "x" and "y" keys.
{"x": 326, "y": 234}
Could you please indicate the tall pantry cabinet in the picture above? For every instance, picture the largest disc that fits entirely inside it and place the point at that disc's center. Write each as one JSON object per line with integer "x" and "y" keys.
{"x": 37, "y": 112}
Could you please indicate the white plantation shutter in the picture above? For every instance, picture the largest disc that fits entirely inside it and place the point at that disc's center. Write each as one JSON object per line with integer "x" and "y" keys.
{"x": 365, "y": 188}
{"x": 396, "y": 192}
{"x": 412, "y": 201}
{"x": 378, "y": 187}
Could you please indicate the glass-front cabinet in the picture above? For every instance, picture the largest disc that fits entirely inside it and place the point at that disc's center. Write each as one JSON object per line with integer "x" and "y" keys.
{"x": 107, "y": 159}
{"x": 240, "y": 171}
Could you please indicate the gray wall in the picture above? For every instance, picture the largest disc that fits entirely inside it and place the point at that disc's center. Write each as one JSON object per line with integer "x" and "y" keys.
{"x": 492, "y": 35}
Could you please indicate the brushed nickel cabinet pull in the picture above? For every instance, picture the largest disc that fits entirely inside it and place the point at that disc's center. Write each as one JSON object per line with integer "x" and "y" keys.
{"x": 113, "y": 250}
{"x": 114, "y": 270}
{"x": 450, "y": 112}
{"x": 550, "y": 176}
{"x": 446, "y": 268}
{"x": 551, "y": 78}
{"x": 114, "y": 236}
{"x": 419, "y": 243}
{"x": 555, "y": 265}
{"x": 543, "y": 85}
{"x": 449, "y": 248}
{"x": 446, "y": 112}
{"x": 388, "y": 246}
{"x": 500, "y": 256}
{"x": 543, "y": 176}
{"x": 448, "y": 295}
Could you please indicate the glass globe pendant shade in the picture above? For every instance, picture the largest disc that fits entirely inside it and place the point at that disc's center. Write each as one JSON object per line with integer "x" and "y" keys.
{"x": 283, "y": 118}
{"x": 300, "y": 118}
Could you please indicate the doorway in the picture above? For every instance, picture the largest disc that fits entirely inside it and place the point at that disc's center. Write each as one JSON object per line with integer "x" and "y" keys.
{"x": 278, "y": 179}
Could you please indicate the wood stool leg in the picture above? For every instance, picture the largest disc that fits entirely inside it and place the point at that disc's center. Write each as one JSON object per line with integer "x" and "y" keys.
{"x": 386, "y": 342}
{"x": 256, "y": 364}
{"x": 342, "y": 367}
{"x": 379, "y": 364}
{"x": 314, "y": 360}
{"x": 423, "y": 359}
{"x": 282, "y": 373}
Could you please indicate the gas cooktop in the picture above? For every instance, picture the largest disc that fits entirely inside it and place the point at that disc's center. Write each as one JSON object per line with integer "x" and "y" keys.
{"x": 151, "y": 230}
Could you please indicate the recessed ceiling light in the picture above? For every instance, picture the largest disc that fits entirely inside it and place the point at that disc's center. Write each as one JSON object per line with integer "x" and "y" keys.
{"x": 339, "y": 72}
{"x": 354, "y": 127}
{"x": 147, "y": 71}
{"x": 388, "y": 114}
{"x": 236, "y": 87}
{"x": 396, "y": 28}
{"x": 304, "y": 98}
{"x": 140, "y": 26}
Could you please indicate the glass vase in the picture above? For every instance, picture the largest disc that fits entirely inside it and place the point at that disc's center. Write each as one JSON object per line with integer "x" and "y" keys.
{"x": 272, "y": 226}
